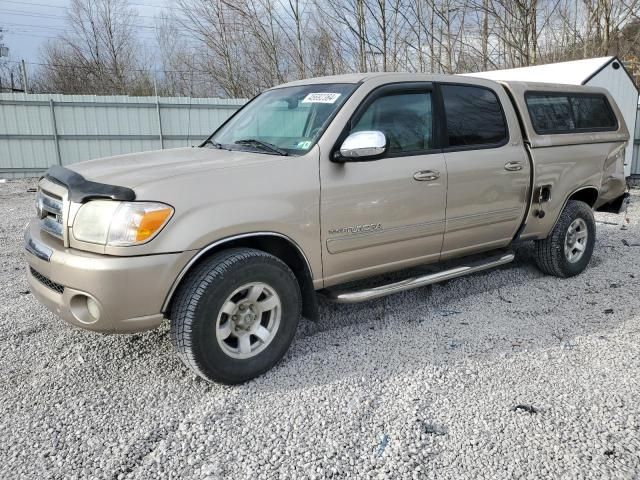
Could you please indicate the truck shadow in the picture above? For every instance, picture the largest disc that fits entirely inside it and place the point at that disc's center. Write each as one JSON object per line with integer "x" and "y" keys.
{"x": 435, "y": 298}
{"x": 506, "y": 311}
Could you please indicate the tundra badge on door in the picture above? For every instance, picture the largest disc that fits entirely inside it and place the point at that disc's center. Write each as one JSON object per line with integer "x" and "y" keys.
{"x": 369, "y": 227}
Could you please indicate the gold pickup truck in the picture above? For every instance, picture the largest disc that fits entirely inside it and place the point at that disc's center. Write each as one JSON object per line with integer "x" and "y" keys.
{"x": 313, "y": 186}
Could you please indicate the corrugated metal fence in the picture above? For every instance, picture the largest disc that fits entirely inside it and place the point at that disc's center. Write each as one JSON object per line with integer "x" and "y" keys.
{"x": 37, "y": 131}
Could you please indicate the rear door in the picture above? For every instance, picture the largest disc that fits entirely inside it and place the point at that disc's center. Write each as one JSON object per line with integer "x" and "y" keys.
{"x": 385, "y": 214}
{"x": 488, "y": 169}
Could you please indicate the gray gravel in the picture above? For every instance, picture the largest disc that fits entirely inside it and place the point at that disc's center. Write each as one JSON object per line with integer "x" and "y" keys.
{"x": 423, "y": 384}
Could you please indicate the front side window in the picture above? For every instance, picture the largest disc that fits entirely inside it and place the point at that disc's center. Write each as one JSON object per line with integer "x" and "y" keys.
{"x": 570, "y": 113}
{"x": 405, "y": 118}
{"x": 287, "y": 120}
{"x": 474, "y": 116}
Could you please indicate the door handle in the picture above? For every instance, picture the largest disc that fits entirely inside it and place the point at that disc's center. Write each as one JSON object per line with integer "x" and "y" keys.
{"x": 513, "y": 166}
{"x": 426, "y": 175}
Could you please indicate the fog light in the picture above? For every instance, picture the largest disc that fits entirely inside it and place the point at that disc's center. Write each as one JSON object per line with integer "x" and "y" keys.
{"x": 94, "y": 309}
{"x": 85, "y": 309}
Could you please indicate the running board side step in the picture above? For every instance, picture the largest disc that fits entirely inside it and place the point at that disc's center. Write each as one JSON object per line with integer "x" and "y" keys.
{"x": 357, "y": 296}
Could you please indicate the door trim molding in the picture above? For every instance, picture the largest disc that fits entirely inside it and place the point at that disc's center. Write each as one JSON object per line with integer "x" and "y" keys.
{"x": 481, "y": 219}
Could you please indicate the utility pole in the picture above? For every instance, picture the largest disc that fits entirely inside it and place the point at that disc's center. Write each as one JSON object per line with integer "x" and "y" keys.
{"x": 25, "y": 84}
{"x": 4, "y": 52}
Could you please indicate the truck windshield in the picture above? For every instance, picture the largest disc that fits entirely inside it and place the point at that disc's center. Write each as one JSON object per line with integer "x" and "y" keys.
{"x": 283, "y": 121}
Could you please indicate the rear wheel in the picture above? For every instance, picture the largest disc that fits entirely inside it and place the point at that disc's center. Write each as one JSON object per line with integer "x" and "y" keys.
{"x": 568, "y": 248}
{"x": 235, "y": 316}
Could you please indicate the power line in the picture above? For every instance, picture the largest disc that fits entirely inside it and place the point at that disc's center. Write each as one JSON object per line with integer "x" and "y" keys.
{"x": 37, "y": 33}
{"x": 19, "y": 13}
{"x": 31, "y": 34}
{"x": 52, "y": 27}
{"x": 47, "y": 15}
{"x": 303, "y": 4}
{"x": 26, "y": 30}
{"x": 44, "y": 27}
{"x": 166, "y": 7}
{"x": 84, "y": 67}
{"x": 26, "y": 14}
{"x": 65, "y": 28}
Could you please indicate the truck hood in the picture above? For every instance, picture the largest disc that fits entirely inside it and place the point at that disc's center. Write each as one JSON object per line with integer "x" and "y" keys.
{"x": 137, "y": 170}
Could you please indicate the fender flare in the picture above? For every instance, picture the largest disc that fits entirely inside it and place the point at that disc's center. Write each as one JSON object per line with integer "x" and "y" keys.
{"x": 203, "y": 251}
{"x": 566, "y": 200}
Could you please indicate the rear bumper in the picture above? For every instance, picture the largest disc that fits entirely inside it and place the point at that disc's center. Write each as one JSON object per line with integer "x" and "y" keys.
{"x": 617, "y": 205}
{"x": 126, "y": 292}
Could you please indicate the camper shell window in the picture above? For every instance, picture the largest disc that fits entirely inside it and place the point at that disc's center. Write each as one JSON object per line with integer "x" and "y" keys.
{"x": 552, "y": 112}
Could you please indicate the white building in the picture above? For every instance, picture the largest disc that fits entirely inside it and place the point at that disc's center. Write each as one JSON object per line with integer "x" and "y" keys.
{"x": 607, "y": 72}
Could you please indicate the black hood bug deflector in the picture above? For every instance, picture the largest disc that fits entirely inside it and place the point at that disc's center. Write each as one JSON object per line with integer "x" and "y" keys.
{"x": 81, "y": 190}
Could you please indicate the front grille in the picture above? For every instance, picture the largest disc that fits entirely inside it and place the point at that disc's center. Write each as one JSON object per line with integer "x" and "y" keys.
{"x": 50, "y": 212}
{"x": 56, "y": 287}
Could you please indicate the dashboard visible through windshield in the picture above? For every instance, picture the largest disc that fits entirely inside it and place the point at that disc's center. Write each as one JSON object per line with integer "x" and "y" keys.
{"x": 283, "y": 121}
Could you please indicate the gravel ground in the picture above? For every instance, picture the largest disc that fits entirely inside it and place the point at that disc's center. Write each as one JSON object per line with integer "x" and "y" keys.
{"x": 423, "y": 384}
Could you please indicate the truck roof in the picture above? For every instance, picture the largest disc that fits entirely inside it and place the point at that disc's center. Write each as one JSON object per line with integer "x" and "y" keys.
{"x": 426, "y": 77}
{"x": 390, "y": 76}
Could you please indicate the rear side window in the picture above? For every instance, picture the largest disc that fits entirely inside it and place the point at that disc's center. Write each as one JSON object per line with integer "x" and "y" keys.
{"x": 570, "y": 113}
{"x": 593, "y": 112}
{"x": 550, "y": 113}
{"x": 474, "y": 116}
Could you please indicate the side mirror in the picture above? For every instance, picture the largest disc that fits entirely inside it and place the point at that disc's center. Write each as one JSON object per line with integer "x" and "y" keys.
{"x": 364, "y": 145}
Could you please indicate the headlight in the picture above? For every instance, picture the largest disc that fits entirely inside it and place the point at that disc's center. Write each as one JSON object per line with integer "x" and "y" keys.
{"x": 120, "y": 223}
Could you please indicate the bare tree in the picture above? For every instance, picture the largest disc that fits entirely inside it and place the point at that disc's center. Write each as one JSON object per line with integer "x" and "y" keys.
{"x": 238, "y": 48}
{"x": 100, "y": 52}
{"x": 348, "y": 21}
{"x": 296, "y": 13}
{"x": 172, "y": 78}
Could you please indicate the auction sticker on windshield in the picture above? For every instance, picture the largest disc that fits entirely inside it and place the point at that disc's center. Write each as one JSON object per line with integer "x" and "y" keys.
{"x": 321, "y": 98}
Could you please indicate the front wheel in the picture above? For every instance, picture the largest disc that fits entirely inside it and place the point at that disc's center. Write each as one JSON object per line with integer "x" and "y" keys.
{"x": 568, "y": 248}
{"x": 235, "y": 315}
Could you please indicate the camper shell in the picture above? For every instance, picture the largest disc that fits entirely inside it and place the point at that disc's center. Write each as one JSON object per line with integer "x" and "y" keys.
{"x": 606, "y": 72}
{"x": 568, "y": 161}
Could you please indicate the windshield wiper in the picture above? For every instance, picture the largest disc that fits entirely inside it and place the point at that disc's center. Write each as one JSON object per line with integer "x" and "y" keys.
{"x": 263, "y": 145}
{"x": 214, "y": 144}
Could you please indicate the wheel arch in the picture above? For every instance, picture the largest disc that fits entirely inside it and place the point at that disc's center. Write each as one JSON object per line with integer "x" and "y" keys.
{"x": 587, "y": 194}
{"x": 276, "y": 244}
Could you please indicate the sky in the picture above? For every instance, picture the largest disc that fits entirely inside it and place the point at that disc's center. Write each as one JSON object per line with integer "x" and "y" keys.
{"x": 27, "y": 25}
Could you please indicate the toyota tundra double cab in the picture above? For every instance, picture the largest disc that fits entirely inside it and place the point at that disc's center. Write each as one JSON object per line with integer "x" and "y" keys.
{"x": 313, "y": 186}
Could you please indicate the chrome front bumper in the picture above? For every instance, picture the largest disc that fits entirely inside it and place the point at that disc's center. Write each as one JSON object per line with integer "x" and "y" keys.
{"x": 127, "y": 292}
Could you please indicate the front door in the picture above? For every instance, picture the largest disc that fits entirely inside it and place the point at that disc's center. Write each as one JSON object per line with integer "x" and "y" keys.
{"x": 389, "y": 213}
{"x": 488, "y": 170}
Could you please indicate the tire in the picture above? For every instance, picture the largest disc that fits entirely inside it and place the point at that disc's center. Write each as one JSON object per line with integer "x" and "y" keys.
{"x": 219, "y": 339}
{"x": 567, "y": 250}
